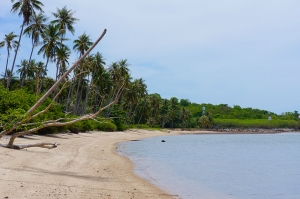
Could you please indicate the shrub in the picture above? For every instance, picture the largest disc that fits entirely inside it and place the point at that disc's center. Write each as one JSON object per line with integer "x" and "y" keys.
{"x": 88, "y": 125}
{"x": 48, "y": 130}
{"x": 75, "y": 127}
{"x": 106, "y": 126}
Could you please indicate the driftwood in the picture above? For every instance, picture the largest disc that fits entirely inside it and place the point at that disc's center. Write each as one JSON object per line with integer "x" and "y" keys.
{"x": 30, "y": 113}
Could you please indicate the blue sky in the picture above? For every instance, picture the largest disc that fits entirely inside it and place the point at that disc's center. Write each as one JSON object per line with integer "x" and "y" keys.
{"x": 221, "y": 52}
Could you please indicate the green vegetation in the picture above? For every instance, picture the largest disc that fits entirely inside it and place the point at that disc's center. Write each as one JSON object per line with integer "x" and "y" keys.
{"x": 256, "y": 123}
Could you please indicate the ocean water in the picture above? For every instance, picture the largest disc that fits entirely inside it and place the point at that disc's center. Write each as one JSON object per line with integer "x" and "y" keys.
{"x": 233, "y": 166}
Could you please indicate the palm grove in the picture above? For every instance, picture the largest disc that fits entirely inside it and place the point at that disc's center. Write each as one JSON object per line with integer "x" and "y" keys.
{"x": 87, "y": 95}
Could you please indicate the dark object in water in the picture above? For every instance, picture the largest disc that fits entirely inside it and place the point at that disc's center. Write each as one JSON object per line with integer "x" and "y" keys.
{"x": 134, "y": 140}
{"x": 163, "y": 141}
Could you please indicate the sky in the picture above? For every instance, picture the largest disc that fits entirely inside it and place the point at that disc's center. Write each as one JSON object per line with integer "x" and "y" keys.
{"x": 231, "y": 52}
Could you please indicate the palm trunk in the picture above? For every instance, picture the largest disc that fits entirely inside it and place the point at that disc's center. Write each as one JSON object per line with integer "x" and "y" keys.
{"x": 13, "y": 65}
{"x": 87, "y": 95}
{"x": 6, "y": 68}
{"x": 70, "y": 93}
{"x": 134, "y": 114}
{"x": 23, "y": 79}
{"x": 77, "y": 96}
{"x": 43, "y": 76}
{"x": 57, "y": 67}
{"x": 31, "y": 53}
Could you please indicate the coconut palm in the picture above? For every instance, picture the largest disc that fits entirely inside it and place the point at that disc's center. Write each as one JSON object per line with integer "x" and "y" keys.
{"x": 65, "y": 20}
{"x": 10, "y": 43}
{"x": 32, "y": 69}
{"x": 23, "y": 70}
{"x": 50, "y": 44}
{"x": 35, "y": 29}
{"x": 25, "y": 8}
{"x": 62, "y": 56}
{"x": 173, "y": 110}
{"x": 184, "y": 116}
{"x": 96, "y": 64}
{"x": 26, "y": 70}
{"x": 81, "y": 45}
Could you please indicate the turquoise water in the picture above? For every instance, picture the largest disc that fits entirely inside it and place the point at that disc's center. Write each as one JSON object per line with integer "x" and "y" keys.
{"x": 244, "y": 166}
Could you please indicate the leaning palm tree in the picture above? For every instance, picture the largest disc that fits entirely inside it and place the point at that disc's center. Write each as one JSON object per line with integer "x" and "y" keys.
{"x": 35, "y": 29}
{"x": 25, "y": 8}
{"x": 9, "y": 42}
{"x": 50, "y": 44}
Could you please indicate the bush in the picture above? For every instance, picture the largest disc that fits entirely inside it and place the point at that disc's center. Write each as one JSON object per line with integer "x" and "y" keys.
{"x": 48, "y": 130}
{"x": 88, "y": 125}
{"x": 106, "y": 126}
{"x": 75, "y": 127}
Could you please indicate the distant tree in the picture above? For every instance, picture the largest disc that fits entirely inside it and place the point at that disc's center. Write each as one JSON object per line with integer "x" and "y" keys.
{"x": 185, "y": 102}
{"x": 205, "y": 122}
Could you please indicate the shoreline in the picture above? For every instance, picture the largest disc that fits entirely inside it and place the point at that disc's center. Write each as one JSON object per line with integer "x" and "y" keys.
{"x": 84, "y": 165}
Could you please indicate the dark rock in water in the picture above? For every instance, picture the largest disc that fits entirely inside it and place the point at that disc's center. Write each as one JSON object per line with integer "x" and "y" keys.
{"x": 163, "y": 141}
{"x": 135, "y": 140}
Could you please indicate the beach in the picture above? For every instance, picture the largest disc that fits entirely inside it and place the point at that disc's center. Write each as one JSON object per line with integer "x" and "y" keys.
{"x": 84, "y": 165}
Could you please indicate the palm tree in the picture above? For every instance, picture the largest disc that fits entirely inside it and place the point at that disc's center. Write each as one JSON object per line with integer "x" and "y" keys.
{"x": 32, "y": 69}
{"x": 65, "y": 20}
{"x": 96, "y": 65}
{"x": 23, "y": 70}
{"x": 35, "y": 29}
{"x": 81, "y": 45}
{"x": 50, "y": 44}
{"x": 25, "y": 8}
{"x": 62, "y": 56}
{"x": 9, "y": 42}
{"x": 26, "y": 70}
{"x": 173, "y": 110}
{"x": 184, "y": 116}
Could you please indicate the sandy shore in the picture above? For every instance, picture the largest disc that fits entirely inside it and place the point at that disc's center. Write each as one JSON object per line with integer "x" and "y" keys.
{"x": 84, "y": 165}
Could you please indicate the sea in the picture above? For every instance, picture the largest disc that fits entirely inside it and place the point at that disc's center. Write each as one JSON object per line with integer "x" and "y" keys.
{"x": 219, "y": 166}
